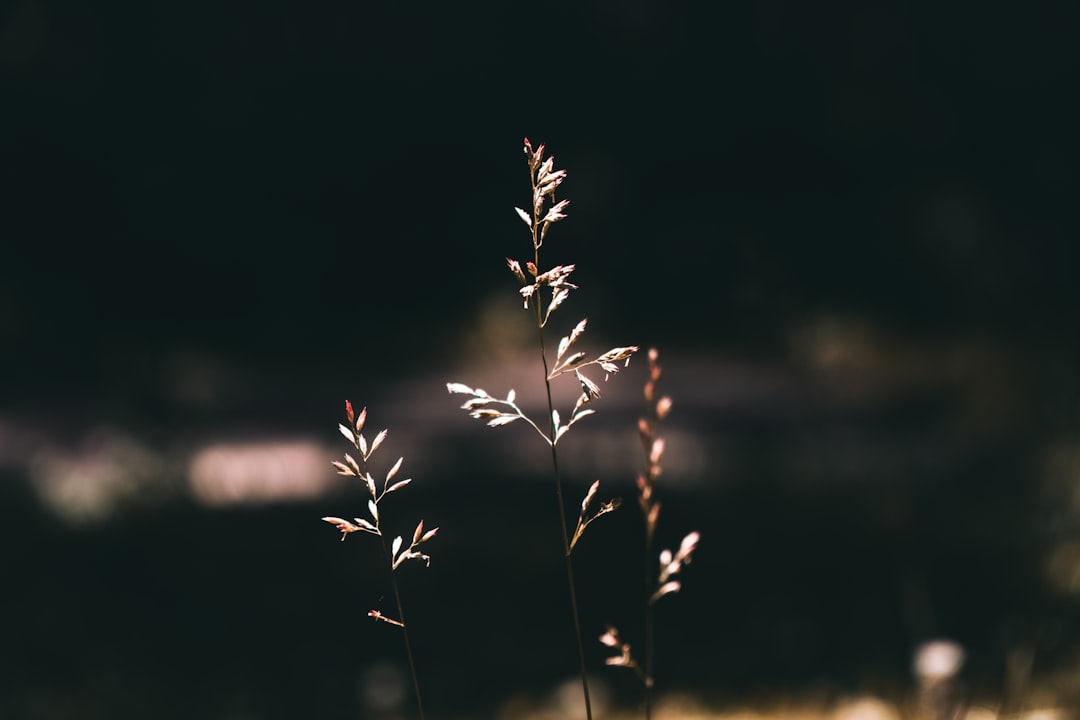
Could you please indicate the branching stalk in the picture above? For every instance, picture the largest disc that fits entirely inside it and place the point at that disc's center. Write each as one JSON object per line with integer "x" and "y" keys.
{"x": 404, "y": 629}
{"x": 398, "y": 552}
{"x": 496, "y": 411}
{"x": 670, "y": 563}
{"x": 559, "y": 493}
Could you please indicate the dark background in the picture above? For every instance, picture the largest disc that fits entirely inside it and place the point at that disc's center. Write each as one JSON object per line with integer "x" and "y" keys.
{"x": 849, "y": 229}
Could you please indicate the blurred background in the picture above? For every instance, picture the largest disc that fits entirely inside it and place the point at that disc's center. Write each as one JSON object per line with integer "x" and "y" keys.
{"x": 848, "y": 229}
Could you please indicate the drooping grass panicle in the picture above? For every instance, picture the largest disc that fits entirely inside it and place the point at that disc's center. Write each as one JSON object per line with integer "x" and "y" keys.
{"x": 543, "y": 292}
{"x": 397, "y": 552}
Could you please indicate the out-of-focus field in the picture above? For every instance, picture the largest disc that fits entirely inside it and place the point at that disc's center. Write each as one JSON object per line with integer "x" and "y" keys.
{"x": 854, "y": 503}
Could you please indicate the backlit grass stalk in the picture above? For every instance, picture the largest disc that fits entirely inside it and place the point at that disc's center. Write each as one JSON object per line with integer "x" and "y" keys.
{"x": 396, "y": 553}
{"x": 545, "y": 211}
{"x": 659, "y": 584}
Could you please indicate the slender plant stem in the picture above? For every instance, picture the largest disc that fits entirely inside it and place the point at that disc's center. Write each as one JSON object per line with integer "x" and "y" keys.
{"x": 404, "y": 630}
{"x": 651, "y": 580}
{"x": 648, "y": 627}
{"x": 558, "y": 485}
{"x": 566, "y": 548}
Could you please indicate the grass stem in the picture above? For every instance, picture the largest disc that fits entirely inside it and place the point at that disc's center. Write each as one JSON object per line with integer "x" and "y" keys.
{"x": 404, "y": 631}
{"x": 559, "y": 493}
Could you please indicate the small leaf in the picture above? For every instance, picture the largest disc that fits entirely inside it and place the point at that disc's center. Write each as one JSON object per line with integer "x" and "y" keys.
{"x": 484, "y": 413}
{"x": 579, "y": 415}
{"x": 511, "y": 396}
{"x": 343, "y": 469}
{"x": 610, "y": 506}
{"x": 558, "y": 276}
{"x": 563, "y": 344}
{"x": 589, "y": 496}
{"x": 555, "y": 213}
{"x": 379, "y": 616}
{"x": 361, "y": 419}
{"x": 527, "y": 293}
{"x": 362, "y": 444}
{"x": 535, "y": 156}
{"x": 623, "y": 660}
{"x": 365, "y": 525}
{"x": 524, "y": 216}
{"x": 656, "y": 451}
{"x": 347, "y": 433}
{"x": 683, "y": 556}
{"x": 398, "y": 485}
{"x": 344, "y": 526}
{"x": 551, "y": 180}
{"x": 666, "y": 588}
{"x": 545, "y": 169}
{"x": 574, "y": 359}
{"x": 453, "y": 387}
{"x": 567, "y": 341}
{"x": 377, "y": 441}
{"x": 352, "y": 463}
{"x": 418, "y": 532}
{"x": 555, "y": 419}
{"x": 395, "y": 546}
{"x": 619, "y": 353}
{"x": 589, "y": 389}
{"x": 688, "y": 544}
{"x": 502, "y": 419}
{"x": 515, "y": 267}
{"x": 428, "y": 535}
{"x": 578, "y": 329}
{"x": 556, "y": 301}
{"x": 394, "y": 470}
{"x": 370, "y": 484}
{"x": 373, "y": 509}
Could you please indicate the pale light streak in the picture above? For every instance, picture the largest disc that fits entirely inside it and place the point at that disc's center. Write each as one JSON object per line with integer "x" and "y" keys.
{"x": 269, "y": 471}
